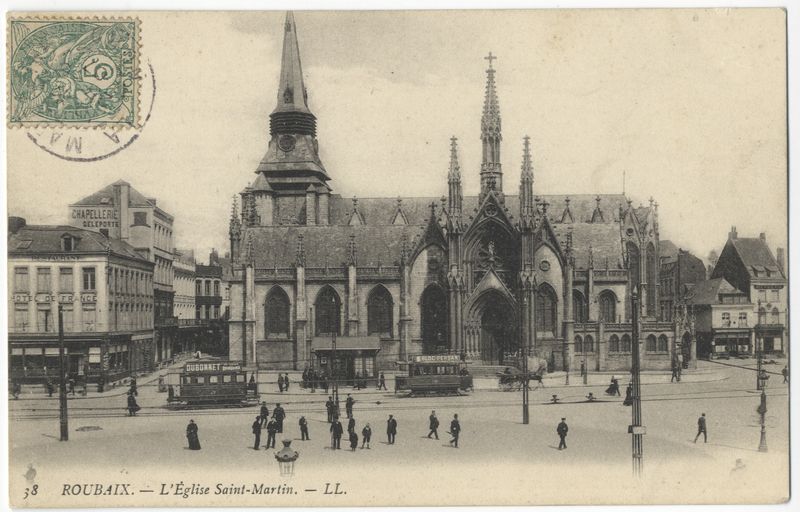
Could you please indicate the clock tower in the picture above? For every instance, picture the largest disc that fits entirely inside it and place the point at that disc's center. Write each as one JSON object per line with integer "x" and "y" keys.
{"x": 291, "y": 186}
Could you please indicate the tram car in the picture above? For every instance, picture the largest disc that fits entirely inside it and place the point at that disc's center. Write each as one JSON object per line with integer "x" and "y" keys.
{"x": 434, "y": 374}
{"x": 211, "y": 382}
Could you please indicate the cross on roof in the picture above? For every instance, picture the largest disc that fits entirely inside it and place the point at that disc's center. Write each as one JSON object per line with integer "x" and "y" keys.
{"x": 490, "y": 58}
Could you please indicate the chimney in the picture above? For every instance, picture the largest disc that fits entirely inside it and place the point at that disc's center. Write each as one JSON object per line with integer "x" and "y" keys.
{"x": 763, "y": 237}
{"x": 17, "y": 223}
{"x": 122, "y": 197}
{"x": 732, "y": 234}
{"x": 779, "y": 254}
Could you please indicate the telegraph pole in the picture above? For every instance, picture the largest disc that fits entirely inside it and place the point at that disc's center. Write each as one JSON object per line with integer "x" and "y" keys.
{"x": 636, "y": 429}
{"x": 62, "y": 383}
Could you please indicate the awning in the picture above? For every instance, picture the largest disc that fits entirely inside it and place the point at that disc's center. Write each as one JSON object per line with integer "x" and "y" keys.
{"x": 323, "y": 344}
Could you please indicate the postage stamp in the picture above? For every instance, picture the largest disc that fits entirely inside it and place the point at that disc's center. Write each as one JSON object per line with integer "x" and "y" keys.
{"x": 81, "y": 72}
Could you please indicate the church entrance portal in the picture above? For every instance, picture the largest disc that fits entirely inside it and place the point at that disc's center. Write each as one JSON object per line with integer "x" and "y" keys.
{"x": 434, "y": 320}
{"x": 498, "y": 332}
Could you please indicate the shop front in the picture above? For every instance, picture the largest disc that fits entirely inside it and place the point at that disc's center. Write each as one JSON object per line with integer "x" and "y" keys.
{"x": 732, "y": 342}
{"x": 354, "y": 356}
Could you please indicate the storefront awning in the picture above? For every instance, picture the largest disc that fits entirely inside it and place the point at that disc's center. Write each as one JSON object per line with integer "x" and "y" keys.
{"x": 323, "y": 344}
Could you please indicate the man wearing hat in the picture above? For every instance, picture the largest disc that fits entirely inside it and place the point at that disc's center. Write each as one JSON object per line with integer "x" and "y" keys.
{"x": 562, "y": 430}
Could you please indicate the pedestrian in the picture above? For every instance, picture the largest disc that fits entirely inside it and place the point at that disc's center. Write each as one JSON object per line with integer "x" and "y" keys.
{"x": 433, "y": 425}
{"x": 391, "y": 429}
{"x": 382, "y": 382}
{"x": 48, "y": 385}
{"x": 72, "y": 386}
{"x": 279, "y": 415}
{"x": 353, "y": 441}
{"x": 170, "y": 393}
{"x": 763, "y": 377}
{"x": 351, "y": 425}
{"x": 674, "y": 373}
{"x": 336, "y": 434}
{"x": 562, "y": 430}
{"x": 257, "y": 432}
{"x": 613, "y": 389}
{"x": 583, "y": 368}
{"x": 133, "y": 407}
{"x": 304, "y": 383}
{"x": 348, "y": 405}
{"x": 312, "y": 379}
{"x": 304, "y": 429}
{"x": 286, "y": 382}
{"x": 16, "y": 389}
{"x": 701, "y": 428}
{"x": 329, "y": 407}
{"x": 280, "y": 382}
{"x": 101, "y": 384}
{"x": 272, "y": 429}
{"x": 455, "y": 430}
{"x": 191, "y": 435}
{"x": 251, "y": 385}
{"x": 628, "y": 395}
{"x": 785, "y": 373}
{"x": 264, "y": 415}
{"x": 134, "y": 389}
{"x": 366, "y": 434}
{"x": 325, "y": 383}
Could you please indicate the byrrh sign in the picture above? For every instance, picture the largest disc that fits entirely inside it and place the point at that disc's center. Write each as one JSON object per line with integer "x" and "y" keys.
{"x": 96, "y": 217}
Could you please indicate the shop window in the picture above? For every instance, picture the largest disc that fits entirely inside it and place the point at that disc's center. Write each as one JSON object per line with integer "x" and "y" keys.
{"x": 613, "y": 343}
{"x": 379, "y": 312}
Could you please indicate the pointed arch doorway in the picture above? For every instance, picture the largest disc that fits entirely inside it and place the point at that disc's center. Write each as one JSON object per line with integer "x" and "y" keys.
{"x": 496, "y": 317}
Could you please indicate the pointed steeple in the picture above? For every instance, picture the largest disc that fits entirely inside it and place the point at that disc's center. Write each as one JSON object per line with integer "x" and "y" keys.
{"x": 292, "y": 94}
{"x": 526, "y": 206}
{"x": 454, "y": 182}
{"x": 491, "y": 172}
{"x": 597, "y": 214}
{"x": 566, "y": 217}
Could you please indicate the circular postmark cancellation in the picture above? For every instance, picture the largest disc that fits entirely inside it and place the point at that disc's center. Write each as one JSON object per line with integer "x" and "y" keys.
{"x": 78, "y": 144}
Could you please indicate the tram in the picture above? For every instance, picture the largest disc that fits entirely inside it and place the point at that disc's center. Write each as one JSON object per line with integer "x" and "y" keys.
{"x": 434, "y": 374}
{"x": 209, "y": 382}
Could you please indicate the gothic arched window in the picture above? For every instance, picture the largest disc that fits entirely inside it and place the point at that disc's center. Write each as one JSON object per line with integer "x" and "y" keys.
{"x": 608, "y": 307}
{"x": 546, "y": 312}
{"x": 578, "y": 344}
{"x": 588, "y": 344}
{"x": 276, "y": 313}
{"x": 379, "y": 312}
{"x": 626, "y": 343}
{"x": 663, "y": 343}
{"x": 650, "y": 269}
{"x": 326, "y": 312}
{"x": 613, "y": 343}
{"x": 651, "y": 344}
{"x": 579, "y": 307}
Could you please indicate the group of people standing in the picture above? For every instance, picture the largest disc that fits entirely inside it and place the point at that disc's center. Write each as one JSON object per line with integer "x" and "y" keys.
{"x": 455, "y": 428}
{"x": 273, "y": 426}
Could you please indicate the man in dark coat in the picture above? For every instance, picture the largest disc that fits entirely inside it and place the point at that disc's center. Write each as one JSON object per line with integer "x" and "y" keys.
{"x": 329, "y": 406}
{"x": 382, "y": 382}
{"x": 272, "y": 429}
{"x": 353, "y": 441}
{"x": 366, "y": 435}
{"x": 336, "y": 434}
{"x": 391, "y": 429}
{"x": 701, "y": 428}
{"x": 257, "y": 432}
{"x": 303, "y": 429}
{"x": 48, "y": 385}
{"x": 351, "y": 425}
{"x": 280, "y": 382}
{"x": 305, "y": 378}
{"x": 628, "y": 395}
{"x": 433, "y": 425}
{"x": 348, "y": 405}
{"x": 455, "y": 430}
{"x": 286, "y": 382}
{"x": 785, "y": 373}
{"x": 562, "y": 430}
{"x": 72, "y": 386}
{"x": 134, "y": 390}
{"x": 264, "y": 415}
{"x": 312, "y": 380}
{"x": 279, "y": 415}
{"x": 132, "y": 405}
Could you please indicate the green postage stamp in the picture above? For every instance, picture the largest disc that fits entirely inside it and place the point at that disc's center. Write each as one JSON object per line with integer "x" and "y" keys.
{"x": 73, "y": 71}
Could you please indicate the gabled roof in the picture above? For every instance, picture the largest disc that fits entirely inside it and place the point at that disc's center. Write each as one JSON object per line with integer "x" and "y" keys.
{"x": 105, "y": 197}
{"x": 707, "y": 292}
{"x": 667, "y": 250}
{"x": 755, "y": 255}
{"x": 32, "y": 240}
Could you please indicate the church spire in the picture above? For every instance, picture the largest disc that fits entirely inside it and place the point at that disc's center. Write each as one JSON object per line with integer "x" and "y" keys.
{"x": 526, "y": 208}
{"x": 491, "y": 173}
{"x": 454, "y": 181}
{"x": 291, "y": 114}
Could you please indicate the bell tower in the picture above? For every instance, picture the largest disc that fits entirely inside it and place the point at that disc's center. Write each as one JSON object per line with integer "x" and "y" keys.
{"x": 491, "y": 171}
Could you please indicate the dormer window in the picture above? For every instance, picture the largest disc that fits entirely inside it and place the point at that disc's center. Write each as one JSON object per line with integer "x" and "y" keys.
{"x": 69, "y": 242}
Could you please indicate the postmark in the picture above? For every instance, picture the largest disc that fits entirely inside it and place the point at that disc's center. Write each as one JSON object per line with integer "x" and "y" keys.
{"x": 73, "y": 71}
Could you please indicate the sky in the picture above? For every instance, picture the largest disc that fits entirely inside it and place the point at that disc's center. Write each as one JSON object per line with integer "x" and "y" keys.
{"x": 690, "y": 105}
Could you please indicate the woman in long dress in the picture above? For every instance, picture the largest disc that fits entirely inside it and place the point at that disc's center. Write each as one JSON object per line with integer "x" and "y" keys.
{"x": 191, "y": 435}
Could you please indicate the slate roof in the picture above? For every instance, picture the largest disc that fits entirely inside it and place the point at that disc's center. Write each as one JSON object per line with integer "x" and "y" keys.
{"x": 667, "y": 250}
{"x": 707, "y": 292}
{"x": 32, "y": 240}
{"x": 105, "y": 197}
{"x": 756, "y": 256}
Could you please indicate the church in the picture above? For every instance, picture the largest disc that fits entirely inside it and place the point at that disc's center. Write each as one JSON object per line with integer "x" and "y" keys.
{"x": 356, "y": 284}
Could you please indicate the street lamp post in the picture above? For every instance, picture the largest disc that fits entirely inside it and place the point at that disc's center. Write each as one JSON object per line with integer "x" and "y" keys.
{"x": 759, "y": 351}
{"x": 636, "y": 429}
{"x": 333, "y": 356}
{"x": 525, "y": 369}
{"x": 762, "y": 411}
{"x": 62, "y": 384}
